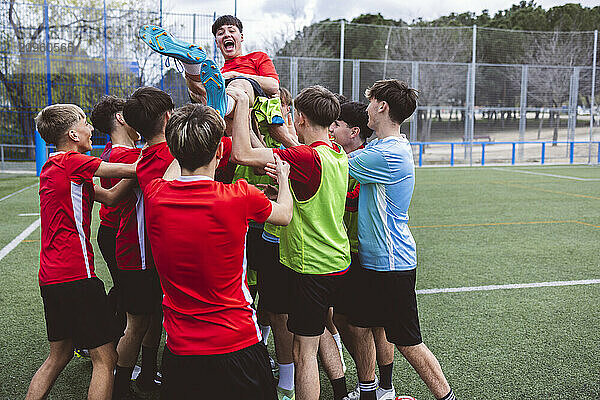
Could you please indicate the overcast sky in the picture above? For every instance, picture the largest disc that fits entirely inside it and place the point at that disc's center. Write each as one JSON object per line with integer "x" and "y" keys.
{"x": 264, "y": 19}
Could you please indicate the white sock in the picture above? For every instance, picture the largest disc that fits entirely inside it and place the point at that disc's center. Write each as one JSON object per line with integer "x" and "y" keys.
{"x": 264, "y": 331}
{"x": 230, "y": 105}
{"x": 338, "y": 340}
{"x": 192, "y": 69}
{"x": 286, "y": 376}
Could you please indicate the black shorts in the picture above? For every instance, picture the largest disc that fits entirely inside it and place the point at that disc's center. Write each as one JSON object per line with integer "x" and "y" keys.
{"x": 107, "y": 242}
{"x": 79, "y": 311}
{"x": 345, "y": 297}
{"x": 254, "y": 247}
{"x": 141, "y": 293}
{"x": 310, "y": 299}
{"x": 273, "y": 280}
{"x": 258, "y": 91}
{"x": 387, "y": 299}
{"x": 243, "y": 374}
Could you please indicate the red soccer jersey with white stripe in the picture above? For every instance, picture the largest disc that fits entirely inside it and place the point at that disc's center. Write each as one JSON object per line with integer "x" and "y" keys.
{"x": 66, "y": 200}
{"x": 131, "y": 251}
{"x": 153, "y": 164}
{"x": 197, "y": 228}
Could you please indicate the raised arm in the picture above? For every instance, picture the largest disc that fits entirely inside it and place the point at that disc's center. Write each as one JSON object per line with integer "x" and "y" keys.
{"x": 281, "y": 213}
{"x": 116, "y": 170}
{"x": 242, "y": 152}
{"x": 111, "y": 197}
{"x": 370, "y": 166}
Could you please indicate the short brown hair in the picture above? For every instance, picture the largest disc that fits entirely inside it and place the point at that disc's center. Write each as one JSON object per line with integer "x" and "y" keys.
{"x": 226, "y": 20}
{"x": 318, "y": 104}
{"x": 145, "y": 109}
{"x": 193, "y": 134}
{"x": 401, "y": 99}
{"x": 285, "y": 96}
{"x": 355, "y": 115}
{"x": 103, "y": 115}
{"x": 54, "y": 121}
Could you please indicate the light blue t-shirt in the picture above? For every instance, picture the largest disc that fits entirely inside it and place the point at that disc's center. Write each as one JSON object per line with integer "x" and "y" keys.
{"x": 386, "y": 172}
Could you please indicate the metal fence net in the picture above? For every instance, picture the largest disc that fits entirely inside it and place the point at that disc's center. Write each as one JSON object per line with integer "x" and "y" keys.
{"x": 480, "y": 88}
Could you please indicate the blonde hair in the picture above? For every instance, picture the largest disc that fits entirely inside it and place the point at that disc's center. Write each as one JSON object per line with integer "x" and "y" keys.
{"x": 54, "y": 121}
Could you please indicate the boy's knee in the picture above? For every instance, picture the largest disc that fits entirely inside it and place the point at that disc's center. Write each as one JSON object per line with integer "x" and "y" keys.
{"x": 137, "y": 324}
{"x": 245, "y": 86}
{"x": 105, "y": 355}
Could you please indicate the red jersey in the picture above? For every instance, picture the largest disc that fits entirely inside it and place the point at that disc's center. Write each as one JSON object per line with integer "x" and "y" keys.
{"x": 197, "y": 228}
{"x": 257, "y": 63}
{"x": 109, "y": 216}
{"x": 66, "y": 200}
{"x": 153, "y": 164}
{"x": 131, "y": 251}
{"x": 305, "y": 167}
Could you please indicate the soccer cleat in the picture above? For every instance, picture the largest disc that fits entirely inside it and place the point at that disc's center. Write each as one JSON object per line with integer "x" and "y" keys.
{"x": 161, "y": 41}
{"x": 215, "y": 86}
{"x": 386, "y": 394}
{"x": 405, "y": 398}
{"x": 81, "y": 353}
{"x": 283, "y": 394}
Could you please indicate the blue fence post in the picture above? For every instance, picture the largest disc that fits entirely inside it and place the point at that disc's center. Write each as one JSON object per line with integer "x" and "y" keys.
{"x": 452, "y": 154}
{"x": 41, "y": 152}
{"x": 420, "y": 154}
{"x": 512, "y": 161}
{"x": 543, "y": 152}
{"x": 106, "y": 89}
{"x": 482, "y": 154}
{"x": 162, "y": 79}
{"x": 571, "y": 152}
{"x": 598, "y": 158}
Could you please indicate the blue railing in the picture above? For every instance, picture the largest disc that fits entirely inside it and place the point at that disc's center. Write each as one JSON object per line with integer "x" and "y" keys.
{"x": 571, "y": 144}
{"x": 421, "y": 146}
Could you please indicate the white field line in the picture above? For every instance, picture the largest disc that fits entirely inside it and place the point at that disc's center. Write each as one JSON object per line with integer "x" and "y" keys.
{"x": 544, "y": 174}
{"x": 509, "y": 286}
{"x": 18, "y": 191}
{"x": 22, "y": 236}
{"x": 29, "y": 215}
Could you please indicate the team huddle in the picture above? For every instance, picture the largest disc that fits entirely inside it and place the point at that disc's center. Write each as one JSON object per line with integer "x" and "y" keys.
{"x": 238, "y": 218}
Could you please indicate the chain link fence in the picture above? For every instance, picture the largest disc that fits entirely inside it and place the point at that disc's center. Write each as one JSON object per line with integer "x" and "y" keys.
{"x": 477, "y": 85}
{"x": 486, "y": 95}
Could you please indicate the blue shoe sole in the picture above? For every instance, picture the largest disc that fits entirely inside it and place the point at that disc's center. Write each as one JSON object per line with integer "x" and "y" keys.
{"x": 215, "y": 86}
{"x": 161, "y": 41}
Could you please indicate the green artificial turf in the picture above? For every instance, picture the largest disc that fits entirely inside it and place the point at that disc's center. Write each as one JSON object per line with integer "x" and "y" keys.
{"x": 473, "y": 227}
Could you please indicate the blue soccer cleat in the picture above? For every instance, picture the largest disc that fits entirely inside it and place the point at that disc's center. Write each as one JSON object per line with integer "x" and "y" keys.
{"x": 161, "y": 41}
{"x": 215, "y": 86}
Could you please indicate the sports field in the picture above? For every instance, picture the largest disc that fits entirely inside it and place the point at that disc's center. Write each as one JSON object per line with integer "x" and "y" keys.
{"x": 474, "y": 228}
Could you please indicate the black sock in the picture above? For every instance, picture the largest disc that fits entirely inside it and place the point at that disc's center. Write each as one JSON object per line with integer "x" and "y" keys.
{"x": 339, "y": 388}
{"x": 368, "y": 390}
{"x": 385, "y": 376}
{"x": 148, "y": 372}
{"x": 449, "y": 396}
{"x": 122, "y": 379}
